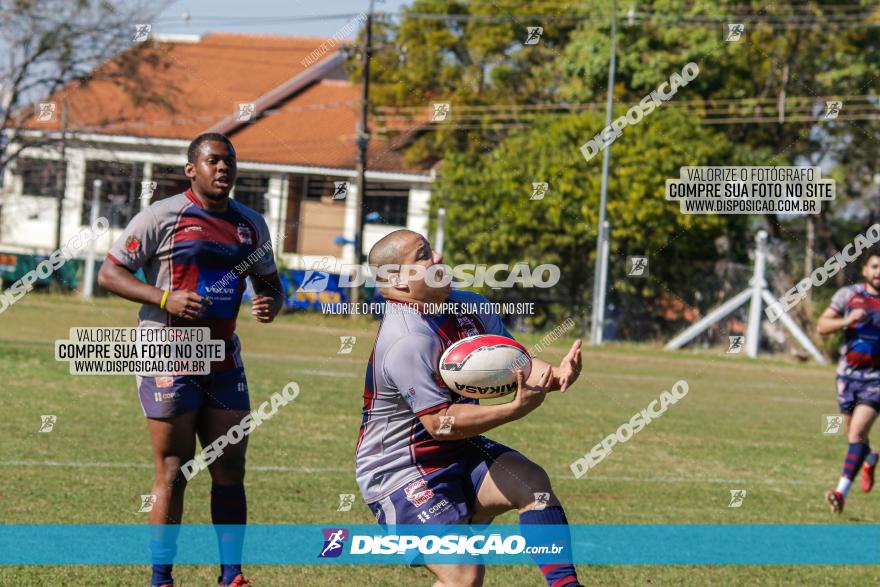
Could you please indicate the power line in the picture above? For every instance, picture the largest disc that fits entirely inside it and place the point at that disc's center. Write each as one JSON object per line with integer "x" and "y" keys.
{"x": 725, "y": 111}
{"x": 836, "y": 15}
{"x": 257, "y": 19}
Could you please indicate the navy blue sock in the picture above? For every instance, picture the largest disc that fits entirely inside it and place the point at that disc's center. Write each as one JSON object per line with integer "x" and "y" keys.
{"x": 543, "y": 528}
{"x": 855, "y": 456}
{"x": 161, "y": 575}
{"x": 163, "y": 547}
{"x": 229, "y": 515}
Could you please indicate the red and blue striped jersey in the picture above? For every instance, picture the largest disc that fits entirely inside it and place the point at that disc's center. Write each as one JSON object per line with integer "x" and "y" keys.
{"x": 182, "y": 246}
{"x": 860, "y": 350}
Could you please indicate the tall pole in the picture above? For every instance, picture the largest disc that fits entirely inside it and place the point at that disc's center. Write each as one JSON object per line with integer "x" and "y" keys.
{"x": 61, "y": 181}
{"x": 363, "y": 140}
{"x": 89, "y": 270}
{"x": 600, "y": 276}
{"x": 758, "y": 285}
{"x": 440, "y": 234}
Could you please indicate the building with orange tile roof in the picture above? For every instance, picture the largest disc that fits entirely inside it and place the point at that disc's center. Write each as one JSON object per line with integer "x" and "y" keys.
{"x": 285, "y": 102}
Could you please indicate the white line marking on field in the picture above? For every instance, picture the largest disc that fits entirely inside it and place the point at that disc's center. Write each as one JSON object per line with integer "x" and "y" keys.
{"x": 281, "y": 469}
{"x": 799, "y": 400}
{"x": 693, "y": 480}
{"x": 319, "y": 373}
{"x": 308, "y": 358}
{"x": 146, "y": 466}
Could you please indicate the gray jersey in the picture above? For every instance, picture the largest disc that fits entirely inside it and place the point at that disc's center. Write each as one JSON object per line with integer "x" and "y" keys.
{"x": 402, "y": 383}
{"x": 180, "y": 245}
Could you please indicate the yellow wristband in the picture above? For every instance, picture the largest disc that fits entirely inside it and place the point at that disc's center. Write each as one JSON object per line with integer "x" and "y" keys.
{"x": 164, "y": 299}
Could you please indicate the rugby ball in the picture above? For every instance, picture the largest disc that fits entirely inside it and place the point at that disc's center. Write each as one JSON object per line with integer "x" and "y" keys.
{"x": 484, "y": 366}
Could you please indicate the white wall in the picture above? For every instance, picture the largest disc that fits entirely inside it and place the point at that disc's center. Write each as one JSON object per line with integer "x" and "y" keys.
{"x": 28, "y": 223}
{"x": 417, "y": 214}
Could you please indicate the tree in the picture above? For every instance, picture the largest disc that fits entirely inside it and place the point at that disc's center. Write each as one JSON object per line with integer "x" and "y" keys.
{"x": 467, "y": 54}
{"x": 52, "y": 45}
{"x": 790, "y": 50}
{"x": 792, "y": 58}
{"x": 491, "y": 219}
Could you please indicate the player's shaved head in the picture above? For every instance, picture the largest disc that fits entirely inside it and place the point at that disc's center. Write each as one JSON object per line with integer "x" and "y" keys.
{"x": 402, "y": 260}
{"x": 393, "y": 248}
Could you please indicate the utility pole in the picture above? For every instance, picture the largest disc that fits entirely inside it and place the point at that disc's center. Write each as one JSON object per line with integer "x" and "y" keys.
{"x": 363, "y": 140}
{"x": 600, "y": 276}
{"x": 440, "y": 234}
{"x": 61, "y": 181}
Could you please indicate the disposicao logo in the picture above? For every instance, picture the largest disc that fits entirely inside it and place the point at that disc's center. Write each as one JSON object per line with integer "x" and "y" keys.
{"x": 334, "y": 540}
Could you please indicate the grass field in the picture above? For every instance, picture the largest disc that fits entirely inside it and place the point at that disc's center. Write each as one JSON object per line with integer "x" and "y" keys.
{"x": 745, "y": 424}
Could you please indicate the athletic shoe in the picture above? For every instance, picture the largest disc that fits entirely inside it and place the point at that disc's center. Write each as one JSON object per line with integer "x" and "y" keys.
{"x": 239, "y": 581}
{"x": 868, "y": 476}
{"x": 835, "y": 499}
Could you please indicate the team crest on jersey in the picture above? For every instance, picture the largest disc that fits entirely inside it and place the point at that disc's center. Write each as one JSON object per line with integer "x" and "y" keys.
{"x": 467, "y": 324}
{"x": 417, "y": 493}
{"x": 244, "y": 235}
{"x": 132, "y": 244}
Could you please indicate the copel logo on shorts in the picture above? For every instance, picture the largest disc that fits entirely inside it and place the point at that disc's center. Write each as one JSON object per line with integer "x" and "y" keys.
{"x": 440, "y": 506}
{"x": 161, "y": 397}
{"x": 417, "y": 493}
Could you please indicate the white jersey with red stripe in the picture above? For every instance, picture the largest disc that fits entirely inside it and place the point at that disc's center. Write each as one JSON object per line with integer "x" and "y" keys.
{"x": 403, "y": 383}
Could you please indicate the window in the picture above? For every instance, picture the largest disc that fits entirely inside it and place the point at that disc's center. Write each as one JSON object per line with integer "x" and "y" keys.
{"x": 40, "y": 177}
{"x": 170, "y": 181}
{"x": 120, "y": 191}
{"x": 250, "y": 190}
{"x": 386, "y": 203}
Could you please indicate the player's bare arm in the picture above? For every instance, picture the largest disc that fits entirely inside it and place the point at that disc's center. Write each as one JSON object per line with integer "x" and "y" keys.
{"x": 119, "y": 280}
{"x": 831, "y": 321}
{"x": 268, "y": 299}
{"x": 473, "y": 419}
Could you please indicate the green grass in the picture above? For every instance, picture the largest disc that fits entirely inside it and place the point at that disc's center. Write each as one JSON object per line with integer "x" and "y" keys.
{"x": 745, "y": 424}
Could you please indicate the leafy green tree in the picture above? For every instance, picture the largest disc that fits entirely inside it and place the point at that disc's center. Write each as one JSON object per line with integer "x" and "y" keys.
{"x": 490, "y": 217}
{"x": 790, "y": 49}
{"x": 773, "y": 84}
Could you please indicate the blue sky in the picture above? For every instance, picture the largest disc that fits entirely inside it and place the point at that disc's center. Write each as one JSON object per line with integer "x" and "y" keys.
{"x": 265, "y": 16}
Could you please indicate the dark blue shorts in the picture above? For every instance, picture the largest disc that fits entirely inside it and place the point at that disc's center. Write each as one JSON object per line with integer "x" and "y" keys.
{"x": 851, "y": 392}
{"x": 447, "y": 496}
{"x": 164, "y": 397}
